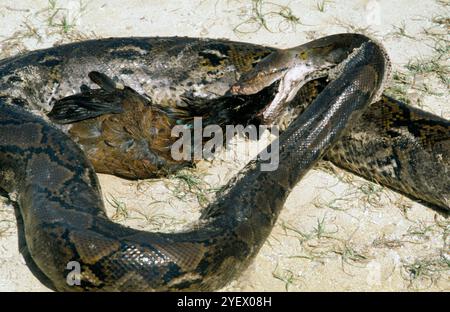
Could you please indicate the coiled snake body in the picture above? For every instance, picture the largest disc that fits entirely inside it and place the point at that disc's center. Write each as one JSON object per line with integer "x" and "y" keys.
{"x": 58, "y": 192}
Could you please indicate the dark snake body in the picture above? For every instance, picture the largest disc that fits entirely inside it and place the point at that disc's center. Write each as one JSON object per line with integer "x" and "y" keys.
{"x": 60, "y": 199}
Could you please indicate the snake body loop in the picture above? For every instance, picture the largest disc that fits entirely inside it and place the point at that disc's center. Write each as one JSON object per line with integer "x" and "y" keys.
{"x": 59, "y": 196}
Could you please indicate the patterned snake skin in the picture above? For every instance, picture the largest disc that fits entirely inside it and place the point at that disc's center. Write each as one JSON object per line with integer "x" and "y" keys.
{"x": 58, "y": 192}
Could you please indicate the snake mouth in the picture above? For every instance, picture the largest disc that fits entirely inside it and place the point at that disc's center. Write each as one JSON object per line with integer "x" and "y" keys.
{"x": 283, "y": 87}
{"x": 265, "y": 106}
{"x": 289, "y": 85}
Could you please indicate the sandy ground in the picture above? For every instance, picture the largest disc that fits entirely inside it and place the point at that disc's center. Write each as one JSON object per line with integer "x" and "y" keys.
{"x": 337, "y": 231}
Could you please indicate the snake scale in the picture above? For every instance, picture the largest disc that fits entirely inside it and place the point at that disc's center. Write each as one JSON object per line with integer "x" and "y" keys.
{"x": 59, "y": 196}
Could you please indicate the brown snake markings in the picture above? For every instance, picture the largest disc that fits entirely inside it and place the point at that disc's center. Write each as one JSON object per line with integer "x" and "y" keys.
{"x": 58, "y": 192}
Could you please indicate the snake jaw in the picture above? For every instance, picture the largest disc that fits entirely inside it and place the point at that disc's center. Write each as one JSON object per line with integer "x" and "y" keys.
{"x": 271, "y": 69}
{"x": 290, "y": 83}
{"x": 291, "y": 68}
{"x": 291, "y": 79}
{"x": 255, "y": 81}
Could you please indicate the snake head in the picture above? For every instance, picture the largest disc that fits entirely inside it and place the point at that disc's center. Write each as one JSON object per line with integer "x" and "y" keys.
{"x": 293, "y": 68}
{"x": 266, "y": 72}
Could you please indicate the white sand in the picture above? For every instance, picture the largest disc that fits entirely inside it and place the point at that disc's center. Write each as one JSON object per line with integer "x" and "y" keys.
{"x": 336, "y": 232}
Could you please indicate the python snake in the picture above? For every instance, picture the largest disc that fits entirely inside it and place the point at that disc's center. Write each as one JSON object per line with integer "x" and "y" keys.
{"x": 58, "y": 192}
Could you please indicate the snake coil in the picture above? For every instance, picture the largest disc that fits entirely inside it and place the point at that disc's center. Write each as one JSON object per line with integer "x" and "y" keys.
{"x": 64, "y": 218}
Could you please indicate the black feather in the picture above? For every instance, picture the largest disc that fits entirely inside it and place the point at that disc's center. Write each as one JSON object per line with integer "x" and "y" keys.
{"x": 85, "y": 105}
